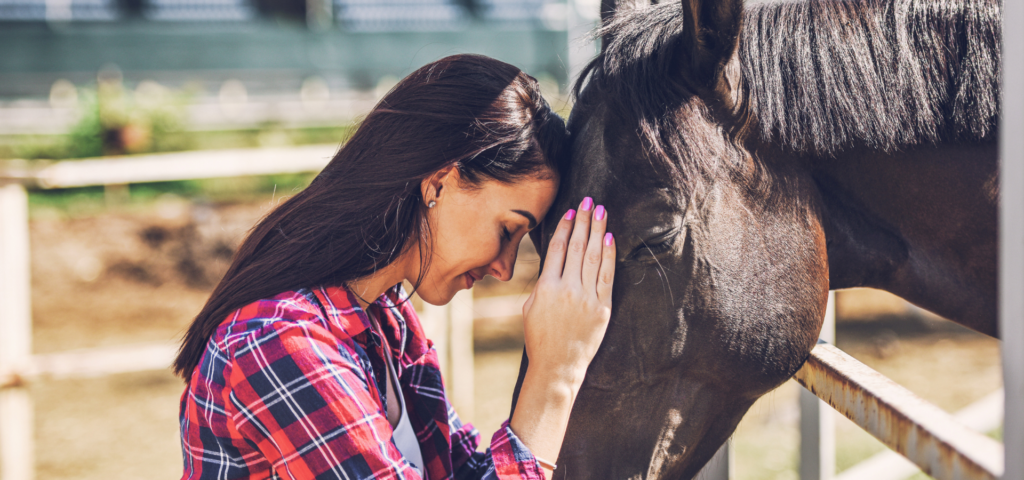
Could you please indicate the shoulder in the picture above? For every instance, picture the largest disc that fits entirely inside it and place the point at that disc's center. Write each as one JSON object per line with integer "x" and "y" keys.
{"x": 286, "y": 314}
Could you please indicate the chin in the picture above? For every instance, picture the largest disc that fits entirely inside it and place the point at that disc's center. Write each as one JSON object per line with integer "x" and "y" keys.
{"x": 435, "y": 296}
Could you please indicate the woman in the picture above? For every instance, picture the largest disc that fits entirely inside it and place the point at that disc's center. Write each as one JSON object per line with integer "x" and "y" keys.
{"x": 309, "y": 362}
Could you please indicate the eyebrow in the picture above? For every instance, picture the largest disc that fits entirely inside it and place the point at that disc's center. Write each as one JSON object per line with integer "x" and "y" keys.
{"x": 529, "y": 216}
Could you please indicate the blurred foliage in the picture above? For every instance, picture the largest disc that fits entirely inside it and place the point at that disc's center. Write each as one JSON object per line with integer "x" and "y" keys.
{"x": 151, "y": 118}
{"x": 114, "y": 121}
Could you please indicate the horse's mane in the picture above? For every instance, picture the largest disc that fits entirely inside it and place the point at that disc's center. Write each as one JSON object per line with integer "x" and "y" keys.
{"x": 820, "y": 75}
{"x": 636, "y": 72}
{"x": 824, "y": 75}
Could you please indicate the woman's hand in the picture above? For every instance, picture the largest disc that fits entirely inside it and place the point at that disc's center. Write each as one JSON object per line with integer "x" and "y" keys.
{"x": 565, "y": 319}
{"x": 567, "y": 314}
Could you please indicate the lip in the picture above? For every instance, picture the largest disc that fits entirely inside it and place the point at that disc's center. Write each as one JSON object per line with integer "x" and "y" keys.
{"x": 470, "y": 279}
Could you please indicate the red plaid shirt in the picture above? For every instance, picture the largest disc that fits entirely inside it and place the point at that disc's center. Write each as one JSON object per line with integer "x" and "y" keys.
{"x": 293, "y": 387}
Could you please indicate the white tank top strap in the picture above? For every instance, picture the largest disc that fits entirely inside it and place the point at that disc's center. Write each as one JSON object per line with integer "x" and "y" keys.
{"x": 404, "y": 435}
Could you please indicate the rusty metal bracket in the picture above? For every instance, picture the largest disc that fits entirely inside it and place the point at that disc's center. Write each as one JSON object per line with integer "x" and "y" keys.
{"x": 908, "y": 424}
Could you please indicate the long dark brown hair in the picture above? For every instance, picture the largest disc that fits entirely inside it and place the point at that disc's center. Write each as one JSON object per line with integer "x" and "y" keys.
{"x": 485, "y": 117}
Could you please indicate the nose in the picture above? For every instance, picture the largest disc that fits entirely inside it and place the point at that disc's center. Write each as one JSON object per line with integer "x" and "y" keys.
{"x": 504, "y": 266}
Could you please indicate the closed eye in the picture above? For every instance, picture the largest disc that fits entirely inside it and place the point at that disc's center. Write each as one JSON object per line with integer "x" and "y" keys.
{"x": 656, "y": 245}
{"x": 508, "y": 234}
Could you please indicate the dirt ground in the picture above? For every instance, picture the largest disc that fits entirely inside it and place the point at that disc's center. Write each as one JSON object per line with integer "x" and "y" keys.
{"x": 138, "y": 273}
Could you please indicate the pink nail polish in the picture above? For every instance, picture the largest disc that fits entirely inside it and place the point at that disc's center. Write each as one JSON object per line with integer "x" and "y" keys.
{"x": 599, "y": 213}
{"x": 588, "y": 203}
{"x": 608, "y": 239}
{"x": 571, "y": 214}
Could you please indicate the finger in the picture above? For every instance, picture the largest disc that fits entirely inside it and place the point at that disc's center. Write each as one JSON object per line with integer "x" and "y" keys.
{"x": 592, "y": 258}
{"x": 606, "y": 276}
{"x": 578, "y": 241}
{"x": 554, "y": 260}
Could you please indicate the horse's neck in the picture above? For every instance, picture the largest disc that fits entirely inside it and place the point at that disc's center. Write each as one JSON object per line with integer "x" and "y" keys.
{"x": 925, "y": 222}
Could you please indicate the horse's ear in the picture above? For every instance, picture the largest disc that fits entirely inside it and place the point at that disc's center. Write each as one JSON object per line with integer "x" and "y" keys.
{"x": 609, "y": 7}
{"x": 712, "y": 29}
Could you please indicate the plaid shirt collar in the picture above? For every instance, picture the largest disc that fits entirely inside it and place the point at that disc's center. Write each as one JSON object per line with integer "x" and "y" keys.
{"x": 407, "y": 342}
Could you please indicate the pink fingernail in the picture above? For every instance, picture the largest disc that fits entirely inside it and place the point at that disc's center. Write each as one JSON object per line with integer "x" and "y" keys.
{"x": 571, "y": 214}
{"x": 599, "y": 213}
{"x": 588, "y": 203}
{"x": 608, "y": 239}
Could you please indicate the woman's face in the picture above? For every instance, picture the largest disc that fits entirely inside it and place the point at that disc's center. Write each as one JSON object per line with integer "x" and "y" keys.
{"x": 476, "y": 230}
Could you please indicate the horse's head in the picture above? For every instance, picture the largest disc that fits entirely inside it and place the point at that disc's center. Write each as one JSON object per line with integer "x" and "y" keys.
{"x": 722, "y": 278}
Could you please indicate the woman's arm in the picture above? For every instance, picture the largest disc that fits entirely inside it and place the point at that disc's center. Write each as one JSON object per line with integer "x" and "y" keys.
{"x": 565, "y": 319}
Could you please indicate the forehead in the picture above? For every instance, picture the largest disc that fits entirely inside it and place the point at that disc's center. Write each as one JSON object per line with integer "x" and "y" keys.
{"x": 607, "y": 155}
{"x": 533, "y": 194}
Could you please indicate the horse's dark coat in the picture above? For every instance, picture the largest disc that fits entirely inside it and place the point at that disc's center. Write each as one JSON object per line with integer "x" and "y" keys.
{"x": 749, "y": 161}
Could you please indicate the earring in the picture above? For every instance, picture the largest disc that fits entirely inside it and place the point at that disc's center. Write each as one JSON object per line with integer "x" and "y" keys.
{"x": 431, "y": 204}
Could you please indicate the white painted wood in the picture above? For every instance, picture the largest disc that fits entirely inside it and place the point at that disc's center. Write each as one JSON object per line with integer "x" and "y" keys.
{"x": 436, "y": 326}
{"x": 817, "y": 419}
{"x": 499, "y": 306}
{"x": 16, "y": 430}
{"x": 981, "y": 416}
{"x": 1011, "y": 237}
{"x": 15, "y": 295}
{"x": 450, "y": 327}
{"x": 94, "y": 362}
{"x": 943, "y": 447}
{"x": 461, "y": 384}
{"x": 163, "y": 167}
{"x": 16, "y": 435}
{"x": 720, "y": 466}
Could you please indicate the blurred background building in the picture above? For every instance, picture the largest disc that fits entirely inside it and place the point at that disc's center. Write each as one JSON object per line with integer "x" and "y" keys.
{"x": 244, "y": 63}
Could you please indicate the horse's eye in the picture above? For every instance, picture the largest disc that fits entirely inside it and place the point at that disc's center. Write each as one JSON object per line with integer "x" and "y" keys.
{"x": 654, "y": 246}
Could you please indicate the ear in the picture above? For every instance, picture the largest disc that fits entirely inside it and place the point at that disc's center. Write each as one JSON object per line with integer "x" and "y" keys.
{"x": 432, "y": 186}
{"x": 710, "y": 36}
{"x": 609, "y": 7}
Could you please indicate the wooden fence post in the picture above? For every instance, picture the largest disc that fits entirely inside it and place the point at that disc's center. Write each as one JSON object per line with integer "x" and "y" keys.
{"x": 436, "y": 326}
{"x": 17, "y": 460}
{"x": 460, "y": 351}
{"x": 720, "y": 466}
{"x": 450, "y": 327}
{"x": 817, "y": 419}
{"x": 1011, "y": 238}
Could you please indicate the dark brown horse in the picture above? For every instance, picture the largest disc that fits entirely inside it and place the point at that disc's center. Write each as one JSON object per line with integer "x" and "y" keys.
{"x": 751, "y": 161}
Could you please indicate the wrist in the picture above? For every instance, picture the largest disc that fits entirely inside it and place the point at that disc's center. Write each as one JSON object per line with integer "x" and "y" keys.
{"x": 542, "y": 413}
{"x": 557, "y": 375}
{"x": 557, "y": 384}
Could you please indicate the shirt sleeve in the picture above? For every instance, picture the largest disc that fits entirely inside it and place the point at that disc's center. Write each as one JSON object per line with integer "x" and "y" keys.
{"x": 306, "y": 403}
{"x": 507, "y": 458}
